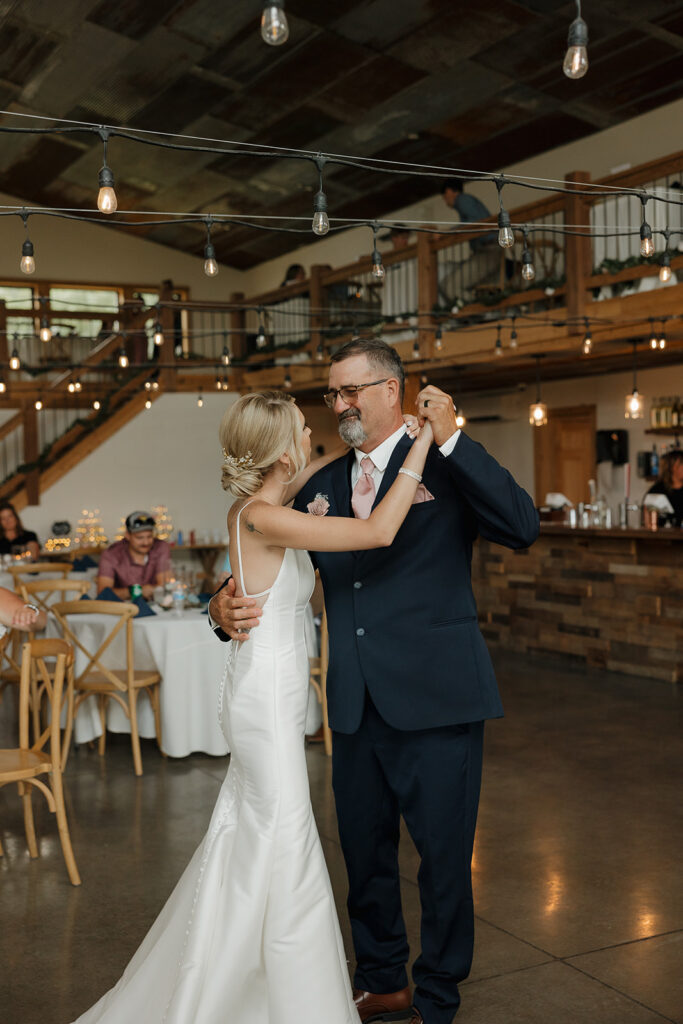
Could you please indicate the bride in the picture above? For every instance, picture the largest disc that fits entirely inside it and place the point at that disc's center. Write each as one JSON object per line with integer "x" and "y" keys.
{"x": 250, "y": 933}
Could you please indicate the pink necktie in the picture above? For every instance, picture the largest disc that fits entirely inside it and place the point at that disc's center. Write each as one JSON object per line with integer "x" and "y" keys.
{"x": 363, "y": 496}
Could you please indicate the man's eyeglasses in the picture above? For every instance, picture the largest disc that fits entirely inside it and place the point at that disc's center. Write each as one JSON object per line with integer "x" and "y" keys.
{"x": 349, "y": 392}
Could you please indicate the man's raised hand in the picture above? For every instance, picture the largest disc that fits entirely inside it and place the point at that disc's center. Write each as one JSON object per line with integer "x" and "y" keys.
{"x": 437, "y": 407}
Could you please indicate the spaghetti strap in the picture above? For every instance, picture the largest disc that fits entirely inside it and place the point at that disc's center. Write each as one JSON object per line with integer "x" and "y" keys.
{"x": 262, "y": 593}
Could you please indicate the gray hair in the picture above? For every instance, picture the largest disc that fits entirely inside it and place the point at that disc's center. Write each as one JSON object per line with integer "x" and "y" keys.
{"x": 381, "y": 357}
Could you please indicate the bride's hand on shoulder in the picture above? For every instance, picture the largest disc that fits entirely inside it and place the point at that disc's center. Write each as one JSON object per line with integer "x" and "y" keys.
{"x": 426, "y": 433}
{"x": 412, "y": 425}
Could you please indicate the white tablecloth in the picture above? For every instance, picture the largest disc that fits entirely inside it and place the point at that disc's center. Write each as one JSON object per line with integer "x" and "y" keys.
{"x": 190, "y": 660}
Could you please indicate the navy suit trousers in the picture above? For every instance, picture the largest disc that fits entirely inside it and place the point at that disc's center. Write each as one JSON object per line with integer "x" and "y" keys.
{"x": 432, "y": 778}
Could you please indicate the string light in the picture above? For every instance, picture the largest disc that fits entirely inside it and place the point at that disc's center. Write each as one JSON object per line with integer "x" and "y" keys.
{"x": 498, "y": 350}
{"x": 97, "y": 405}
{"x": 148, "y": 404}
{"x": 71, "y": 387}
{"x": 378, "y": 271}
{"x": 200, "y": 400}
{"x": 528, "y": 269}
{"x": 288, "y": 380}
{"x": 634, "y": 404}
{"x": 148, "y": 385}
{"x": 654, "y": 340}
{"x": 38, "y": 404}
{"x": 320, "y": 352}
{"x": 538, "y": 411}
{"x": 575, "y": 63}
{"x": 158, "y": 334}
{"x": 106, "y": 197}
{"x": 513, "y": 334}
{"x": 261, "y": 339}
{"x": 416, "y": 350}
{"x": 438, "y": 339}
{"x": 225, "y": 355}
{"x": 662, "y": 338}
{"x": 506, "y": 236}
{"x": 647, "y": 246}
{"x": 14, "y": 361}
{"x": 321, "y": 222}
{"x": 274, "y": 26}
{"x": 218, "y": 384}
{"x": 27, "y": 264}
{"x": 588, "y": 339}
{"x": 123, "y": 358}
{"x": 665, "y": 268}
{"x": 3, "y": 386}
{"x": 210, "y": 264}
{"x": 45, "y": 330}
{"x": 225, "y": 386}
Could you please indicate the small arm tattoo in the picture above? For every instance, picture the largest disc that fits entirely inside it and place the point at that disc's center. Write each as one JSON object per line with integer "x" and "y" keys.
{"x": 252, "y": 528}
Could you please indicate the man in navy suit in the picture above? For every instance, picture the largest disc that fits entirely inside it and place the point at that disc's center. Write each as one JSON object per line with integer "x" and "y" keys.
{"x": 410, "y": 682}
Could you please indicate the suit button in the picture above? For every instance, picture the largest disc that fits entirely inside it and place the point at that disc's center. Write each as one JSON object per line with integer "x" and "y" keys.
{"x": 360, "y": 632}
{"x": 357, "y": 585}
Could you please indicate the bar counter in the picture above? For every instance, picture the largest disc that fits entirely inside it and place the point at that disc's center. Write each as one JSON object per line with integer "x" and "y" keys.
{"x": 610, "y": 599}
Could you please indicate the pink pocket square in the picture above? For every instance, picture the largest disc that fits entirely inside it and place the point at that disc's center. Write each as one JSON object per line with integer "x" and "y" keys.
{"x": 422, "y": 494}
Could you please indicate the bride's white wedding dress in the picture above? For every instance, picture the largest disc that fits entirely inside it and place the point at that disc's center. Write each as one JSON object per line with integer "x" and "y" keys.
{"x": 250, "y": 933}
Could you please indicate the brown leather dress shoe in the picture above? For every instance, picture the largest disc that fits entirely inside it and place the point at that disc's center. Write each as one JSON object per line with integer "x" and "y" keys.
{"x": 389, "y": 1006}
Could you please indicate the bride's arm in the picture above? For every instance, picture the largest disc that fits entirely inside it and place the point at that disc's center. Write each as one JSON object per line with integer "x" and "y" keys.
{"x": 284, "y": 527}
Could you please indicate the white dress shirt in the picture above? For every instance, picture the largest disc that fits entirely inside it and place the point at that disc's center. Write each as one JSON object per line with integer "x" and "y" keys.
{"x": 383, "y": 452}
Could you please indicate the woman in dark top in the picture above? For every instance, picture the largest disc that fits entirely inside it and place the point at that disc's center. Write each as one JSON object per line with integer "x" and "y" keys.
{"x": 670, "y": 482}
{"x": 13, "y": 534}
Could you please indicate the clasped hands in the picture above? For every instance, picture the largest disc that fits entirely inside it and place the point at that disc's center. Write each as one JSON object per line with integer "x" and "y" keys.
{"x": 237, "y": 615}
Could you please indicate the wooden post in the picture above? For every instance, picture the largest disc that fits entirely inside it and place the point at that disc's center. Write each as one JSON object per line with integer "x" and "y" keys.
{"x": 4, "y": 350}
{"x": 31, "y": 452}
{"x": 238, "y": 325}
{"x": 317, "y": 300}
{"x": 169, "y": 319}
{"x": 426, "y": 291}
{"x": 413, "y": 387}
{"x": 578, "y": 258}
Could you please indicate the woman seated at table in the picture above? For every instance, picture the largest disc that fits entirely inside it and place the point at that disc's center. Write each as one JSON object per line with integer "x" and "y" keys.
{"x": 670, "y": 482}
{"x": 15, "y": 614}
{"x": 13, "y": 535}
{"x": 139, "y": 559}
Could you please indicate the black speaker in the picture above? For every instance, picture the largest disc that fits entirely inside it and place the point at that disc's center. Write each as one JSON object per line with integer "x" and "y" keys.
{"x": 612, "y": 446}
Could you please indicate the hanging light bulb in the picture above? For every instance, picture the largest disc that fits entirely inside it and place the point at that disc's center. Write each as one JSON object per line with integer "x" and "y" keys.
{"x": 123, "y": 358}
{"x": 528, "y": 269}
{"x": 506, "y": 236}
{"x": 218, "y": 384}
{"x": 14, "y": 361}
{"x": 320, "y": 352}
{"x": 634, "y": 404}
{"x": 200, "y": 400}
{"x": 498, "y": 350}
{"x": 27, "y": 264}
{"x": 416, "y": 350}
{"x": 45, "y": 331}
{"x": 155, "y": 385}
{"x": 158, "y": 334}
{"x": 662, "y": 339}
{"x": 575, "y": 64}
{"x": 377, "y": 265}
{"x": 321, "y": 222}
{"x": 438, "y": 339}
{"x": 647, "y": 246}
{"x": 261, "y": 339}
{"x": 513, "y": 335}
{"x": 71, "y": 387}
{"x": 78, "y": 387}
{"x": 665, "y": 268}
{"x": 97, "y": 405}
{"x": 587, "y": 340}
{"x": 210, "y": 264}
{"x": 106, "y": 197}
{"x": 225, "y": 386}
{"x": 38, "y": 404}
{"x": 225, "y": 356}
{"x": 288, "y": 380}
{"x": 148, "y": 404}
{"x": 274, "y": 27}
{"x": 654, "y": 340}
{"x": 148, "y": 385}
{"x": 538, "y": 411}
{"x": 3, "y": 386}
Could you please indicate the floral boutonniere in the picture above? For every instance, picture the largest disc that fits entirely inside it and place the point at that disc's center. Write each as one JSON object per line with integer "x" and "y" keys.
{"x": 320, "y": 505}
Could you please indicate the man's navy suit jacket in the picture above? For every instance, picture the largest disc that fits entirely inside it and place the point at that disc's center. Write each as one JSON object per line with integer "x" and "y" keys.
{"x": 403, "y": 619}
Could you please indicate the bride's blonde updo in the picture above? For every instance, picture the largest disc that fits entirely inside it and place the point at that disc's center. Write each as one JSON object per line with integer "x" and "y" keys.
{"x": 254, "y": 432}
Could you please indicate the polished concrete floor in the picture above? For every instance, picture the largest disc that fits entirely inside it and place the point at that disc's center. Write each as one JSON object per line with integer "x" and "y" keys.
{"x": 577, "y": 864}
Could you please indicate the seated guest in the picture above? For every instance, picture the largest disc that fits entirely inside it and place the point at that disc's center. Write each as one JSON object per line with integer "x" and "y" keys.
{"x": 294, "y": 273}
{"x": 670, "y": 482}
{"x": 15, "y": 614}
{"x": 139, "y": 559}
{"x": 13, "y": 535}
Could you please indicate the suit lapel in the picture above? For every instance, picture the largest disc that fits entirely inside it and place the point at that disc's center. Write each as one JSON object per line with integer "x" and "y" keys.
{"x": 341, "y": 482}
{"x": 395, "y": 462}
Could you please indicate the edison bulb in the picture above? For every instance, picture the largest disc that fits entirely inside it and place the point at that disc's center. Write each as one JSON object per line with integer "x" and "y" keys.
{"x": 575, "y": 64}
{"x": 158, "y": 335}
{"x": 27, "y": 265}
{"x": 148, "y": 404}
{"x": 662, "y": 342}
{"x": 321, "y": 222}
{"x": 274, "y": 27}
{"x": 528, "y": 271}
{"x": 513, "y": 339}
{"x": 200, "y": 402}
{"x": 97, "y": 405}
{"x": 653, "y": 341}
{"x": 634, "y": 406}
{"x": 210, "y": 267}
{"x": 665, "y": 273}
{"x": 123, "y": 359}
{"x": 45, "y": 331}
{"x": 38, "y": 404}
{"x": 587, "y": 344}
{"x": 71, "y": 387}
{"x": 14, "y": 361}
{"x": 3, "y": 387}
{"x": 538, "y": 414}
{"x": 506, "y": 237}
{"x": 261, "y": 340}
{"x": 498, "y": 350}
{"x": 378, "y": 271}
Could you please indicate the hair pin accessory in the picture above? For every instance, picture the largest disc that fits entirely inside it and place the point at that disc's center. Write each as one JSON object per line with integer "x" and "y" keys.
{"x": 244, "y": 462}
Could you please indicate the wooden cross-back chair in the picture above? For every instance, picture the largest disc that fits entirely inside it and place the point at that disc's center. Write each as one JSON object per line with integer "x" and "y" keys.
{"x": 105, "y": 683}
{"x": 10, "y": 673}
{"x": 28, "y": 570}
{"x": 318, "y": 677}
{"x": 40, "y": 765}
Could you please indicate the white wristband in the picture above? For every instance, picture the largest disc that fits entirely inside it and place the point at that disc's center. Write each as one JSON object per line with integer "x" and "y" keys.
{"x": 409, "y": 472}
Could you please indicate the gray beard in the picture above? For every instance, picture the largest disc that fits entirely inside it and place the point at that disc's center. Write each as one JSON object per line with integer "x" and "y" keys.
{"x": 351, "y": 432}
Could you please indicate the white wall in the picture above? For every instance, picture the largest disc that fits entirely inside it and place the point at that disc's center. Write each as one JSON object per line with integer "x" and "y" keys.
{"x": 168, "y": 455}
{"x": 511, "y": 441}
